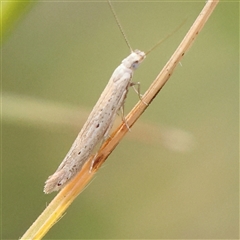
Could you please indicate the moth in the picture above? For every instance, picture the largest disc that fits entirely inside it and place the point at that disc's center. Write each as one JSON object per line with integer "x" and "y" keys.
{"x": 100, "y": 121}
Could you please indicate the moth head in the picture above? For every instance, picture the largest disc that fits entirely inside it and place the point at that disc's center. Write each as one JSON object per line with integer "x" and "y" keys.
{"x": 134, "y": 59}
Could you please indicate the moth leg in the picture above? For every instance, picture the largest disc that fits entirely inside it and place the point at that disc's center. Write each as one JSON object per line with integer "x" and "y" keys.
{"x": 120, "y": 108}
{"x": 123, "y": 118}
{"x": 93, "y": 160}
{"x": 95, "y": 155}
{"x": 132, "y": 84}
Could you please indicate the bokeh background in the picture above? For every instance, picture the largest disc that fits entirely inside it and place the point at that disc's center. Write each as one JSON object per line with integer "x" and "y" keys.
{"x": 176, "y": 174}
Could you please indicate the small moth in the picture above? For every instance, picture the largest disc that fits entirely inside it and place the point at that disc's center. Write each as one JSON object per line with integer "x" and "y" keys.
{"x": 100, "y": 120}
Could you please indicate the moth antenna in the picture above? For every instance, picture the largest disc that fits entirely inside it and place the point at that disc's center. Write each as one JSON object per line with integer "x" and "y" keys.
{"x": 166, "y": 37}
{"x": 119, "y": 25}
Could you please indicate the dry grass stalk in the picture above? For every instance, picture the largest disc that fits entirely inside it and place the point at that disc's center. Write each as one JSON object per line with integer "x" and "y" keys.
{"x": 66, "y": 196}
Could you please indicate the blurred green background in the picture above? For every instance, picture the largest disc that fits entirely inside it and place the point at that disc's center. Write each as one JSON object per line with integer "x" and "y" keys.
{"x": 175, "y": 175}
